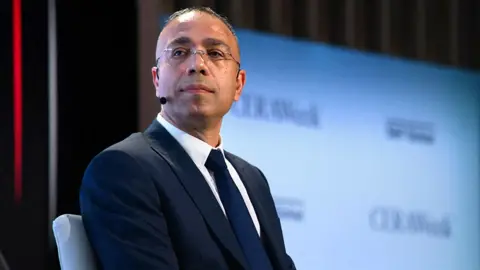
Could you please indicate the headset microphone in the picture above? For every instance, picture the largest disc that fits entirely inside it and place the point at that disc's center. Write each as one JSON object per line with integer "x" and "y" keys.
{"x": 163, "y": 100}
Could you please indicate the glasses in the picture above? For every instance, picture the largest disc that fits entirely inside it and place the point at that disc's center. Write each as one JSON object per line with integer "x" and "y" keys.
{"x": 176, "y": 56}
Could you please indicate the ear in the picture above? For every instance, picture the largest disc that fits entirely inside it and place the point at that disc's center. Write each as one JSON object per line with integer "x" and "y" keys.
{"x": 155, "y": 80}
{"x": 155, "y": 76}
{"x": 242, "y": 75}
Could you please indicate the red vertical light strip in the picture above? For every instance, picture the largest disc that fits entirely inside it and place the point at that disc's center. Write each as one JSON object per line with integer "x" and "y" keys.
{"x": 17, "y": 99}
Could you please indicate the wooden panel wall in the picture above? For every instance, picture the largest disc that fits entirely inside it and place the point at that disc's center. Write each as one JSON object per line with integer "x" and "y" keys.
{"x": 440, "y": 31}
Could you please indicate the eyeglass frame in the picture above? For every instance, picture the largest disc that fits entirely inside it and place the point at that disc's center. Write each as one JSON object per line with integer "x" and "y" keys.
{"x": 203, "y": 52}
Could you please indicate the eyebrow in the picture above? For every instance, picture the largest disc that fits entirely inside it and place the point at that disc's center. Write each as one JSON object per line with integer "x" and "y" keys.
{"x": 208, "y": 42}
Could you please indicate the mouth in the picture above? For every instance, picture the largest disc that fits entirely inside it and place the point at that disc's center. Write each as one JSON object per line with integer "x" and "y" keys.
{"x": 196, "y": 89}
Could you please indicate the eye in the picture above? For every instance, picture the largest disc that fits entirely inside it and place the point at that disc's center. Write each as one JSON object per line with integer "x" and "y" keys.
{"x": 179, "y": 52}
{"x": 216, "y": 54}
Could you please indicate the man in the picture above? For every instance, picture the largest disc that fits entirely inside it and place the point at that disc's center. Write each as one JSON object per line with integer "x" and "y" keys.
{"x": 170, "y": 197}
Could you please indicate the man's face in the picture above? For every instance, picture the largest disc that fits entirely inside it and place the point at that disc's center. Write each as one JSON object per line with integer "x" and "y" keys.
{"x": 201, "y": 84}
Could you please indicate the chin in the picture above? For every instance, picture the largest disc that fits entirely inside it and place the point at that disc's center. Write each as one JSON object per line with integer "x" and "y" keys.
{"x": 199, "y": 114}
{"x": 202, "y": 112}
{"x": 197, "y": 110}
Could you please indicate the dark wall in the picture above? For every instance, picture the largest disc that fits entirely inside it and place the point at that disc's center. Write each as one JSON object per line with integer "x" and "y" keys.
{"x": 23, "y": 218}
{"x": 97, "y": 106}
{"x": 97, "y": 85}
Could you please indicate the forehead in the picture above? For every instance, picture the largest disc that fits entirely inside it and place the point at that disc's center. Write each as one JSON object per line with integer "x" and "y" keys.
{"x": 196, "y": 26}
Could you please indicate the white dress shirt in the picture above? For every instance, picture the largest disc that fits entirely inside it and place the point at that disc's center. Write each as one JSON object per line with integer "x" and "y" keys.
{"x": 199, "y": 151}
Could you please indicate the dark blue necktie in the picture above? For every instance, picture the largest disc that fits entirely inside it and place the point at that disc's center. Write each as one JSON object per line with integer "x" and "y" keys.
{"x": 237, "y": 213}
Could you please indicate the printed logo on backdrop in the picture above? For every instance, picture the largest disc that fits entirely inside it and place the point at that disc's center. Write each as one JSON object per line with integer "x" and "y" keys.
{"x": 397, "y": 221}
{"x": 270, "y": 109}
{"x": 409, "y": 130}
{"x": 290, "y": 208}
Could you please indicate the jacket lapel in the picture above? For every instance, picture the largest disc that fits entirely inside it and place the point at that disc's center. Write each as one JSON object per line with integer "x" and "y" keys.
{"x": 194, "y": 183}
{"x": 266, "y": 219}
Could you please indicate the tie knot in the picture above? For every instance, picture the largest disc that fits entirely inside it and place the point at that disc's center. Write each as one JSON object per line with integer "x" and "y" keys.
{"x": 216, "y": 161}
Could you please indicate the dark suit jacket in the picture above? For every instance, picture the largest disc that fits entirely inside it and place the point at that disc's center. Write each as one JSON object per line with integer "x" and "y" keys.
{"x": 145, "y": 205}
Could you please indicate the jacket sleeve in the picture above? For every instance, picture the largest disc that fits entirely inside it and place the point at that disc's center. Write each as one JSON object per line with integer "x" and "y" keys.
{"x": 121, "y": 211}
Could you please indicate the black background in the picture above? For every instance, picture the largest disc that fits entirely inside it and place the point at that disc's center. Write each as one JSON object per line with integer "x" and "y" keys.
{"x": 97, "y": 93}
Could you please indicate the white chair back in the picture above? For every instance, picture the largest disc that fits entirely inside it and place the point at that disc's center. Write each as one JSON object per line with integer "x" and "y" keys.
{"x": 74, "y": 250}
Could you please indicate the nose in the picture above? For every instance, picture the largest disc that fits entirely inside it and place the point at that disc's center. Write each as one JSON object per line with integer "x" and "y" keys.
{"x": 197, "y": 64}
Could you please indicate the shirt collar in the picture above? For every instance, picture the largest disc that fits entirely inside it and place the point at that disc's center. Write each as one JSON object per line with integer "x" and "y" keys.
{"x": 197, "y": 149}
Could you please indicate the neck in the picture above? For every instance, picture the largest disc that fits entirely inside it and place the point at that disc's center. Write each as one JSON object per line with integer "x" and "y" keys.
{"x": 207, "y": 131}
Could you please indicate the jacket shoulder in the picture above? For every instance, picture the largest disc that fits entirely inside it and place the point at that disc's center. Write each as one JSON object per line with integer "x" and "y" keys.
{"x": 238, "y": 160}
{"x": 134, "y": 146}
{"x": 242, "y": 163}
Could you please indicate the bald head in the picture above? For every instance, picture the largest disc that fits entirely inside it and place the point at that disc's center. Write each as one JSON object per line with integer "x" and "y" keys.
{"x": 197, "y": 15}
{"x": 205, "y": 10}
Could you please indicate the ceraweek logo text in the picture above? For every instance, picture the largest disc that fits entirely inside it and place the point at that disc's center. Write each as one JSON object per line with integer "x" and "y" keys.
{"x": 395, "y": 220}
{"x": 289, "y": 208}
{"x": 277, "y": 110}
{"x": 413, "y": 131}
